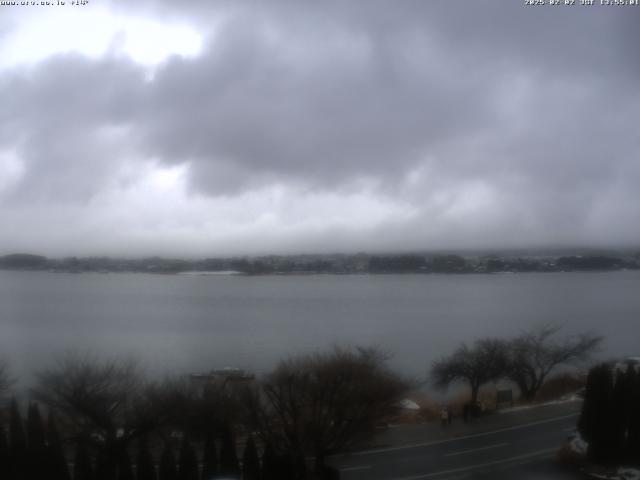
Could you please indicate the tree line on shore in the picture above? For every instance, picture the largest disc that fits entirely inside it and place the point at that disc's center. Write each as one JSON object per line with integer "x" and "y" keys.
{"x": 337, "y": 263}
{"x": 107, "y": 414}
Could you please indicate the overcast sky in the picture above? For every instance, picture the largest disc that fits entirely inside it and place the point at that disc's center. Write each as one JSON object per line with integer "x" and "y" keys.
{"x": 247, "y": 127}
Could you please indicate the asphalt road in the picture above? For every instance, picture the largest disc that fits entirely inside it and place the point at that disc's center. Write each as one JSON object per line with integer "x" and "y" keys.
{"x": 524, "y": 451}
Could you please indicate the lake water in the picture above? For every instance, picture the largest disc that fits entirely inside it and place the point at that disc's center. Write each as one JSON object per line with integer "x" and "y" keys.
{"x": 184, "y": 323}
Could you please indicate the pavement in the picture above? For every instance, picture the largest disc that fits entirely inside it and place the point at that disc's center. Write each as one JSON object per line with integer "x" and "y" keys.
{"x": 516, "y": 444}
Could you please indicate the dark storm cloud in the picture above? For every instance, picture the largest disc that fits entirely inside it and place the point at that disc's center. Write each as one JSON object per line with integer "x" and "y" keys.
{"x": 63, "y": 117}
{"x": 486, "y": 90}
{"x": 533, "y": 110}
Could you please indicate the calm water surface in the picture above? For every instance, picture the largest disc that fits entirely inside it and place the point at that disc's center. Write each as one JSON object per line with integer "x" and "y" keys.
{"x": 182, "y": 323}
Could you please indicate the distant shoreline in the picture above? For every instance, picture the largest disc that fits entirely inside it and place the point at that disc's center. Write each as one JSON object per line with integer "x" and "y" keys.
{"x": 337, "y": 264}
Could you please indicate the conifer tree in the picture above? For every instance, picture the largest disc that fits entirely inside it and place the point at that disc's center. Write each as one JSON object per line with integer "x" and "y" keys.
{"x": 4, "y": 454}
{"x": 125, "y": 471}
{"x": 595, "y": 423}
{"x": 82, "y": 465}
{"x": 36, "y": 440}
{"x": 17, "y": 444}
{"x": 250, "y": 461}
{"x": 270, "y": 468}
{"x": 209, "y": 459}
{"x": 37, "y": 457}
{"x": 633, "y": 437}
{"x": 168, "y": 470}
{"x": 106, "y": 468}
{"x": 188, "y": 468}
{"x": 228, "y": 457}
{"x": 146, "y": 469}
{"x": 56, "y": 460}
{"x": 618, "y": 416}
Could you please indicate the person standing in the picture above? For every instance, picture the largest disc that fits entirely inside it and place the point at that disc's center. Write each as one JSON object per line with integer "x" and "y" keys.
{"x": 444, "y": 416}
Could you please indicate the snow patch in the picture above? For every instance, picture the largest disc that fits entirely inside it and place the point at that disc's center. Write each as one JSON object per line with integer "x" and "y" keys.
{"x": 568, "y": 399}
{"x": 408, "y": 404}
{"x": 629, "y": 474}
{"x": 578, "y": 444}
{"x": 623, "y": 473}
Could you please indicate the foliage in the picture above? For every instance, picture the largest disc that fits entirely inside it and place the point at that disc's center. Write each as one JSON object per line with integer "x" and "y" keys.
{"x": 168, "y": 470}
{"x": 5, "y": 454}
{"x": 609, "y": 418}
{"x": 275, "y": 466}
{"x": 146, "y": 469}
{"x": 179, "y": 404}
{"x": 321, "y": 403}
{"x": 535, "y": 354}
{"x": 36, "y": 444}
{"x": 17, "y": 442}
{"x": 397, "y": 264}
{"x": 250, "y": 461}
{"x": 57, "y": 462}
{"x": 527, "y": 360}
{"x": 82, "y": 466}
{"x": 632, "y": 448}
{"x": 229, "y": 465}
{"x": 5, "y": 379}
{"x": 483, "y": 362}
{"x": 125, "y": 471}
{"x": 209, "y": 459}
{"x": 188, "y": 462}
{"x": 94, "y": 396}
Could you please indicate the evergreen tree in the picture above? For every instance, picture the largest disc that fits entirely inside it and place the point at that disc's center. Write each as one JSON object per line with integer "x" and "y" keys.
{"x": 36, "y": 441}
{"x": 56, "y": 460}
{"x": 228, "y": 456}
{"x": 188, "y": 461}
{"x": 250, "y": 461}
{"x": 209, "y": 459}
{"x": 146, "y": 469}
{"x": 4, "y": 454}
{"x": 168, "y": 470}
{"x": 619, "y": 416}
{"x": 633, "y": 437}
{"x": 595, "y": 422}
{"x": 82, "y": 466}
{"x": 18, "y": 444}
{"x": 106, "y": 467}
{"x": 36, "y": 466}
{"x": 125, "y": 471}
{"x": 271, "y": 466}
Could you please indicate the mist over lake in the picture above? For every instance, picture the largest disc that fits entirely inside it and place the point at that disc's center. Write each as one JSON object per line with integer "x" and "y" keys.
{"x": 182, "y": 323}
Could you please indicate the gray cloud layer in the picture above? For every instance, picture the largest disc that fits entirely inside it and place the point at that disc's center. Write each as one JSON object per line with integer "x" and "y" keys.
{"x": 491, "y": 122}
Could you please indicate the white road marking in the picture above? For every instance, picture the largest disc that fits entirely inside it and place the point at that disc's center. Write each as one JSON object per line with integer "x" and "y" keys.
{"x": 488, "y": 447}
{"x": 481, "y": 465}
{"x": 455, "y": 439}
{"x": 353, "y": 469}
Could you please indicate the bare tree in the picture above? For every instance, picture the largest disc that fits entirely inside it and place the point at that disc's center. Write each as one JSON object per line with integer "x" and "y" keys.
{"x": 483, "y": 362}
{"x": 316, "y": 404}
{"x": 6, "y": 381}
{"x": 536, "y": 353}
{"x": 198, "y": 410}
{"x": 102, "y": 402}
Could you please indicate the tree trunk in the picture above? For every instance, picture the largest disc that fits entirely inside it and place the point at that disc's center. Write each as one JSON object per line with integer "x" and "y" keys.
{"x": 319, "y": 461}
{"x": 474, "y": 393}
{"x": 527, "y": 393}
